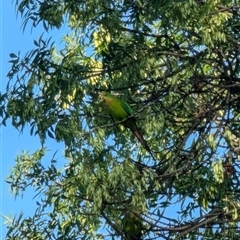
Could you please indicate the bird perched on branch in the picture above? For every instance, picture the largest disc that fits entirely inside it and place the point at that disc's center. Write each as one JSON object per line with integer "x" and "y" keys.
{"x": 132, "y": 226}
{"x": 121, "y": 112}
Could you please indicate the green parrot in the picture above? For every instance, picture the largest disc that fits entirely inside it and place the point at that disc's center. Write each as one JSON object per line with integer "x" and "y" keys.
{"x": 120, "y": 111}
{"x": 132, "y": 226}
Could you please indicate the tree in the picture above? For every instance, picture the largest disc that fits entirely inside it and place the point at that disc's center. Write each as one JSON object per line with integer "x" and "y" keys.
{"x": 176, "y": 63}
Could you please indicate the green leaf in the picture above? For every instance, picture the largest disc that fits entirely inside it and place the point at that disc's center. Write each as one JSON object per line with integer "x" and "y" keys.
{"x": 13, "y": 55}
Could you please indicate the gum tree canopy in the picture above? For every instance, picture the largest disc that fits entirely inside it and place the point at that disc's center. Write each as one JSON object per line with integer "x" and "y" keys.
{"x": 176, "y": 63}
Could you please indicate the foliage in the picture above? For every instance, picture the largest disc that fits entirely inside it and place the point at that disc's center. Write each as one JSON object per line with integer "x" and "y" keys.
{"x": 177, "y": 64}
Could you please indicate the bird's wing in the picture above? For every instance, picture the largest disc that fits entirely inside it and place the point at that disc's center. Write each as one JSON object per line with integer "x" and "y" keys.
{"x": 126, "y": 108}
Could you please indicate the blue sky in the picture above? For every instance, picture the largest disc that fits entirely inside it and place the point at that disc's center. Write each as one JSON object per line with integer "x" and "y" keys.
{"x": 13, "y": 142}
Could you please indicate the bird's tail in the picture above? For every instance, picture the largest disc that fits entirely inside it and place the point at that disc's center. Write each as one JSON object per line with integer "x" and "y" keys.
{"x": 141, "y": 139}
